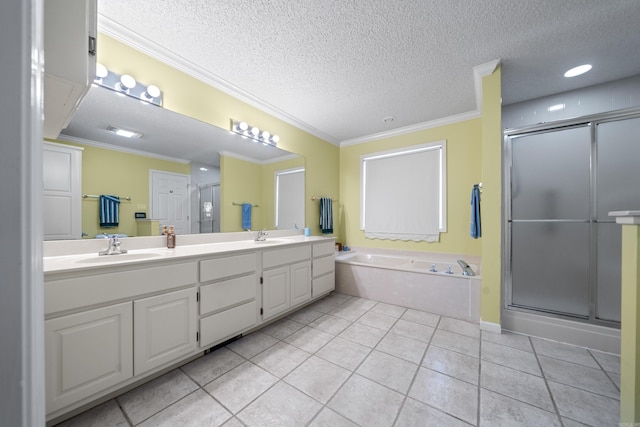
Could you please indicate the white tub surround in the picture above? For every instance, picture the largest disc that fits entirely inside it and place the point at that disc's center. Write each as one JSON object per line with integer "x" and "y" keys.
{"x": 403, "y": 278}
{"x": 114, "y": 321}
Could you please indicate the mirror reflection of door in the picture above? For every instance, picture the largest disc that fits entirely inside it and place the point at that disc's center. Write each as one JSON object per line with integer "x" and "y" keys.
{"x": 169, "y": 202}
{"x": 289, "y": 199}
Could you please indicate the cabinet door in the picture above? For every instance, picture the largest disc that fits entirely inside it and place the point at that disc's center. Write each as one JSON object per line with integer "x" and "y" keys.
{"x": 275, "y": 291}
{"x": 165, "y": 328}
{"x": 86, "y": 353}
{"x": 300, "y": 283}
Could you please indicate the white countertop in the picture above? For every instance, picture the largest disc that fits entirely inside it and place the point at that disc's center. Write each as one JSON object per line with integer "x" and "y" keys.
{"x": 76, "y": 262}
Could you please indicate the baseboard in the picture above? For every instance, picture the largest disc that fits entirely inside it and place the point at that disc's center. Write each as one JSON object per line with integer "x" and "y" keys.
{"x": 496, "y": 328}
{"x": 567, "y": 331}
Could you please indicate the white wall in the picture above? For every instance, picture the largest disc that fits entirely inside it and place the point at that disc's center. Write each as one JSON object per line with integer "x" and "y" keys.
{"x": 21, "y": 282}
{"x": 616, "y": 95}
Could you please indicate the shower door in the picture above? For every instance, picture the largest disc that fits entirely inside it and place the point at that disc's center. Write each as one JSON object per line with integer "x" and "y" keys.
{"x": 550, "y": 221}
{"x": 209, "y": 196}
{"x": 564, "y": 249}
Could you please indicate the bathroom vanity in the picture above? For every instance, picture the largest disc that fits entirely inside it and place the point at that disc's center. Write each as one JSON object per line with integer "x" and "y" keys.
{"x": 113, "y": 321}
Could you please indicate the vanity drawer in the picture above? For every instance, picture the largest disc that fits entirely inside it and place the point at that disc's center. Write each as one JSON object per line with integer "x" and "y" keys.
{"x": 323, "y": 284}
{"x": 88, "y": 290}
{"x": 219, "y": 268}
{"x": 218, "y": 296}
{"x": 226, "y": 324}
{"x": 322, "y": 266}
{"x": 274, "y": 258}
{"x": 324, "y": 248}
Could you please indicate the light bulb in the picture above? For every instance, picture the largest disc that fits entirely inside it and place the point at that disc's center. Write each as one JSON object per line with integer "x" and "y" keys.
{"x": 127, "y": 82}
{"x": 152, "y": 91}
{"x": 101, "y": 71}
{"x": 255, "y": 131}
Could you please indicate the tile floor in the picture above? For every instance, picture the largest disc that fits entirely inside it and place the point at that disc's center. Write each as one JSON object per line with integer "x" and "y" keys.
{"x": 347, "y": 361}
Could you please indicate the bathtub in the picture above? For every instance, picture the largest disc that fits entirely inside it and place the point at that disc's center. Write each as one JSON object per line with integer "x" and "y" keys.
{"x": 403, "y": 278}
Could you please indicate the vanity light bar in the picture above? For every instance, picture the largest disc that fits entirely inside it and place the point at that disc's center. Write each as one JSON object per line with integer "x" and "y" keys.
{"x": 254, "y": 133}
{"x": 126, "y": 85}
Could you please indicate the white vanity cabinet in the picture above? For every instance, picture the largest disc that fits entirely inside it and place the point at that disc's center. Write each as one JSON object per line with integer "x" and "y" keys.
{"x": 286, "y": 279}
{"x": 87, "y": 352}
{"x": 104, "y": 328}
{"x": 324, "y": 265}
{"x": 228, "y": 294}
{"x": 165, "y": 328}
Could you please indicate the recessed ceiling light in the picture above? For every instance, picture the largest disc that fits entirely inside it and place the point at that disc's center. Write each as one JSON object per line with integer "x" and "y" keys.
{"x": 123, "y": 132}
{"x": 204, "y": 169}
{"x": 556, "y": 107}
{"x": 576, "y": 71}
{"x": 389, "y": 119}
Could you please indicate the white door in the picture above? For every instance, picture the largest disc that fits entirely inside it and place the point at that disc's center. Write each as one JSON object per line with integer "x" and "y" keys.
{"x": 300, "y": 283}
{"x": 165, "y": 328}
{"x": 275, "y": 291}
{"x": 61, "y": 203}
{"x": 86, "y": 353}
{"x": 169, "y": 193}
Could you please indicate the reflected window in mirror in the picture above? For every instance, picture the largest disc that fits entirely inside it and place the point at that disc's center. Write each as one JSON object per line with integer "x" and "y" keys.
{"x": 289, "y": 202}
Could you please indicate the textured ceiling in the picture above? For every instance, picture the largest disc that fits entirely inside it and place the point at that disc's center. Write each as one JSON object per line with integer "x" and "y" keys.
{"x": 337, "y": 68}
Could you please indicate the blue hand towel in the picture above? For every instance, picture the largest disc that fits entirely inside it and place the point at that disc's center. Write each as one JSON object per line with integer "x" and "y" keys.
{"x": 109, "y": 207}
{"x": 476, "y": 231}
{"x": 326, "y": 215}
{"x": 246, "y": 216}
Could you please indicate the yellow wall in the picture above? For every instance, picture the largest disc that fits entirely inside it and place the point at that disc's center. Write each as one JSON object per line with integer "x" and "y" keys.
{"x": 463, "y": 170}
{"x": 240, "y": 182}
{"x": 119, "y": 174}
{"x": 191, "y": 97}
{"x": 491, "y": 301}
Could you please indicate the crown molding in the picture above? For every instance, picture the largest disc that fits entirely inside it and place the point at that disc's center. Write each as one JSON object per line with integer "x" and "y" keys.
{"x": 479, "y": 72}
{"x": 115, "y": 30}
{"x": 412, "y": 128}
{"x": 112, "y": 147}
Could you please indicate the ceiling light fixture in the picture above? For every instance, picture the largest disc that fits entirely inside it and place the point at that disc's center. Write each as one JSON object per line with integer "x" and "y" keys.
{"x": 254, "y": 133}
{"x": 124, "y": 132}
{"x": 576, "y": 71}
{"x": 125, "y": 84}
{"x": 556, "y": 107}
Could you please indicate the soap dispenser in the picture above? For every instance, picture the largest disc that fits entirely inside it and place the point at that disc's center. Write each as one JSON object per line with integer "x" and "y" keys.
{"x": 171, "y": 238}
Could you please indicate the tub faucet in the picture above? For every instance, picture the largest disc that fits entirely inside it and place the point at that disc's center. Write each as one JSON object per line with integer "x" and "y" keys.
{"x": 466, "y": 269}
{"x": 114, "y": 247}
{"x": 262, "y": 236}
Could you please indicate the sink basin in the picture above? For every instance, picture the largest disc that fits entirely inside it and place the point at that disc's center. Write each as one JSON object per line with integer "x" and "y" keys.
{"x": 271, "y": 241}
{"x": 107, "y": 259}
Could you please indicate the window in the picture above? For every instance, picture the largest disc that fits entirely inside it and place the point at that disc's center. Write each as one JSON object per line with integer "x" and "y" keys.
{"x": 403, "y": 194}
{"x": 289, "y": 199}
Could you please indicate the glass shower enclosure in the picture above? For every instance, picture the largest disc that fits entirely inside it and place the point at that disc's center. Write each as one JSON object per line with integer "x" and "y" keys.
{"x": 560, "y": 184}
{"x": 209, "y": 203}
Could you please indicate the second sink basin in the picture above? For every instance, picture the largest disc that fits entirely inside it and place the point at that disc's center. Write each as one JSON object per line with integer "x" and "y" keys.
{"x": 107, "y": 259}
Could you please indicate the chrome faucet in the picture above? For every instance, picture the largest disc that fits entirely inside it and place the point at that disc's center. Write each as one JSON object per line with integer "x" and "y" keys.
{"x": 466, "y": 268}
{"x": 262, "y": 236}
{"x": 114, "y": 247}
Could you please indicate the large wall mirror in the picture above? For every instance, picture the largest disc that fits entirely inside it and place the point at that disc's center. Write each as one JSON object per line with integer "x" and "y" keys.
{"x": 223, "y": 170}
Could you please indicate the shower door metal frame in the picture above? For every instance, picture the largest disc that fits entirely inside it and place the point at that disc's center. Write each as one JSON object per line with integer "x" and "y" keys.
{"x": 590, "y": 121}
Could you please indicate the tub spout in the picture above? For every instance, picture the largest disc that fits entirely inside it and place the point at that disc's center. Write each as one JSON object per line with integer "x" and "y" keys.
{"x": 466, "y": 269}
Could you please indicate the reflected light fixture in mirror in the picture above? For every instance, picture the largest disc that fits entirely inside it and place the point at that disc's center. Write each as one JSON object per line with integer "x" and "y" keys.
{"x": 254, "y": 133}
{"x": 127, "y": 85}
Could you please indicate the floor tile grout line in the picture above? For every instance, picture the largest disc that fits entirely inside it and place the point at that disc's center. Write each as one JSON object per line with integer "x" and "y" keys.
{"x": 415, "y": 374}
{"x": 605, "y": 372}
{"x": 546, "y": 383}
{"x": 352, "y": 373}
